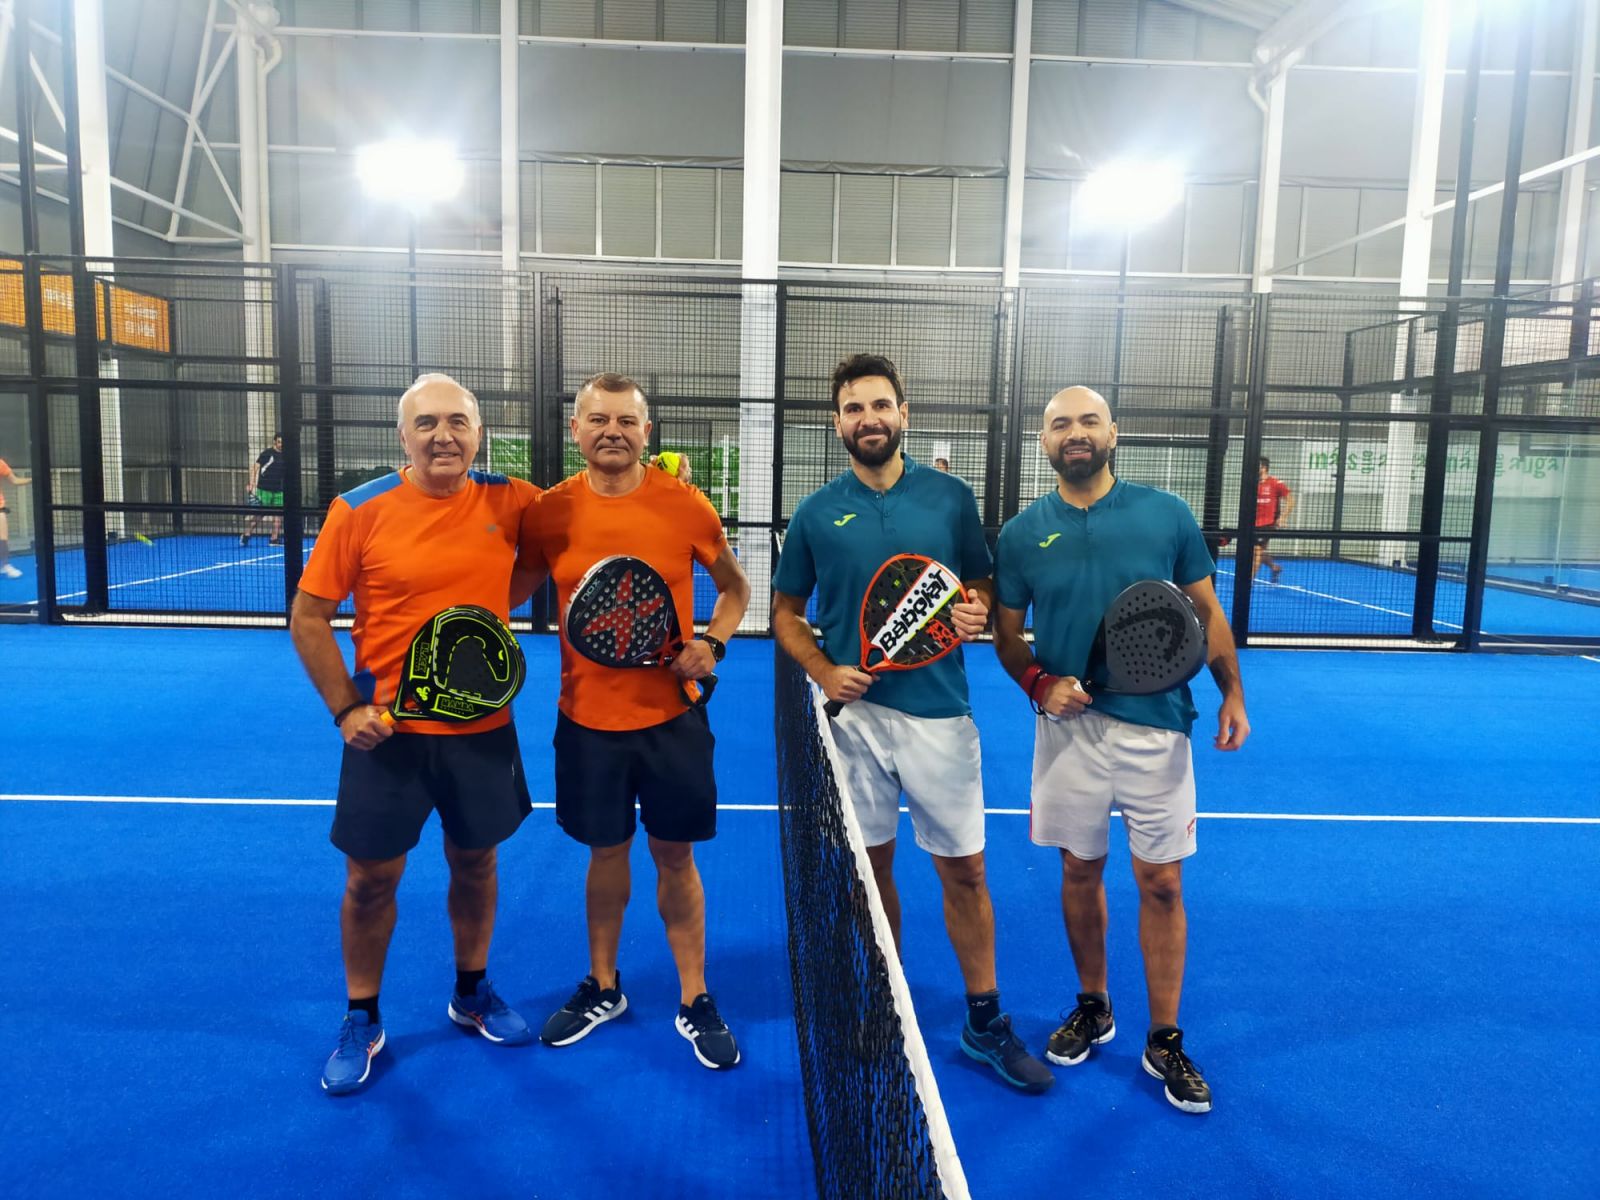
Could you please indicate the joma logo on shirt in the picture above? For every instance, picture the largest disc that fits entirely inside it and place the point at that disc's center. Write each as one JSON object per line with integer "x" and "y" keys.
{"x": 1045, "y": 545}
{"x": 846, "y": 519}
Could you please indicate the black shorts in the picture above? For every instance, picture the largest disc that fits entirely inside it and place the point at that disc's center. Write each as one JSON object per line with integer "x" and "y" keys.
{"x": 667, "y": 768}
{"x": 475, "y": 780}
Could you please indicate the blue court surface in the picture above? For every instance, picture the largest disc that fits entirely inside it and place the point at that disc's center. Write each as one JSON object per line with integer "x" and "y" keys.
{"x": 1389, "y": 987}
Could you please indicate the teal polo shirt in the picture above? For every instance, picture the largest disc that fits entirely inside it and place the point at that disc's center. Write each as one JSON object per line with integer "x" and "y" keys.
{"x": 1070, "y": 563}
{"x": 844, "y": 531}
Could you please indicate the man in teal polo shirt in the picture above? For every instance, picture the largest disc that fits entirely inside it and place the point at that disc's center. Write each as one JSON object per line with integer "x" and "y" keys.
{"x": 916, "y": 733}
{"x": 1068, "y": 554}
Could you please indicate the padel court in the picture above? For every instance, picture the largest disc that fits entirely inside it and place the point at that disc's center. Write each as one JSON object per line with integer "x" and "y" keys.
{"x": 1386, "y": 981}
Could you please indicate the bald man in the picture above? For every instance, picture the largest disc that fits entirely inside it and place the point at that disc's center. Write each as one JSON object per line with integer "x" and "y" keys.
{"x": 431, "y": 535}
{"x": 1068, "y": 555}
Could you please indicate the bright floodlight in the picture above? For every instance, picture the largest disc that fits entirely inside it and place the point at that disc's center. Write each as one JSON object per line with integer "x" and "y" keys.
{"x": 1127, "y": 195}
{"x": 410, "y": 172}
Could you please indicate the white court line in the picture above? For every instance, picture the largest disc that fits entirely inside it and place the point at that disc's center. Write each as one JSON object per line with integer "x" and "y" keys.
{"x": 222, "y": 566}
{"x": 993, "y": 812}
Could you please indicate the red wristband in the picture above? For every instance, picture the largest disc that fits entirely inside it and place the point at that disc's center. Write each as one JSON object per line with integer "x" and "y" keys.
{"x": 1029, "y": 678}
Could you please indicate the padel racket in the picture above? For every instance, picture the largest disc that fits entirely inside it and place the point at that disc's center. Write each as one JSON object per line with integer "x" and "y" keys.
{"x": 622, "y": 615}
{"x": 463, "y": 664}
{"x": 1150, "y": 640}
{"x": 905, "y": 617}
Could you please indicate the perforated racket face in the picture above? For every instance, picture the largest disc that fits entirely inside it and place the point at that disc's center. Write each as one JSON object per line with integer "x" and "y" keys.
{"x": 1150, "y": 641}
{"x": 622, "y": 615}
{"x": 462, "y": 665}
{"x": 905, "y": 615}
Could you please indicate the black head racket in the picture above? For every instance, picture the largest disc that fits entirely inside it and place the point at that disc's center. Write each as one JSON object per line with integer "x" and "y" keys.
{"x": 622, "y": 615}
{"x": 1150, "y": 640}
{"x": 462, "y": 664}
{"x": 905, "y": 617}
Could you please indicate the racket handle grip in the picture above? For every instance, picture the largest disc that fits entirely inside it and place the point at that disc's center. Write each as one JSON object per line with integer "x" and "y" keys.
{"x": 387, "y": 718}
{"x": 833, "y": 708}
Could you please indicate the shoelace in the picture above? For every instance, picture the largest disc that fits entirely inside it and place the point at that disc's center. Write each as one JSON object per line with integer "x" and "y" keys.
{"x": 491, "y": 999}
{"x": 706, "y": 1019}
{"x": 1080, "y": 1022}
{"x": 1176, "y": 1062}
{"x": 347, "y": 1034}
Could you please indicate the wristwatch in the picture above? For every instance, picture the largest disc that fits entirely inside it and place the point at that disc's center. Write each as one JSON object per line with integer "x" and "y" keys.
{"x": 718, "y": 650}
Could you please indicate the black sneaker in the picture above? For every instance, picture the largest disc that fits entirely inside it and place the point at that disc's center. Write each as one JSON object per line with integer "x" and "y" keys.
{"x": 1003, "y": 1050}
{"x": 708, "y": 1033}
{"x": 1165, "y": 1060}
{"x": 1089, "y": 1024}
{"x": 590, "y": 1005}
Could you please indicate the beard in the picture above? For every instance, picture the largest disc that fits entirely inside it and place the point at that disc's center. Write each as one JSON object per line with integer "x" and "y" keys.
{"x": 874, "y": 458}
{"x": 1078, "y": 470}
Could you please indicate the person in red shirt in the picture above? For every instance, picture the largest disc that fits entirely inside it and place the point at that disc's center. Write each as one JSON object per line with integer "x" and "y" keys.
{"x": 626, "y": 735}
{"x": 431, "y": 535}
{"x": 6, "y": 473}
{"x": 1274, "y": 503}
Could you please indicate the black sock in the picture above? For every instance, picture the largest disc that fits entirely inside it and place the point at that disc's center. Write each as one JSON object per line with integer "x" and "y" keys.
{"x": 1103, "y": 997}
{"x": 368, "y": 1005}
{"x": 982, "y": 1009}
{"x": 467, "y": 981}
{"x": 1157, "y": 1030}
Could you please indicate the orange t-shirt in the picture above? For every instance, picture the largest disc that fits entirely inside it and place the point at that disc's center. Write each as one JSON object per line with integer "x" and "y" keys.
{"x": 669, "y": 525}
{"x": 408, "y": 555}
{"x": 5, "y": 473}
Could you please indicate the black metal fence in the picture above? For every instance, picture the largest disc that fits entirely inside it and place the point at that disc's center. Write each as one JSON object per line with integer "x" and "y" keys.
{"x": 1443, "y": 456}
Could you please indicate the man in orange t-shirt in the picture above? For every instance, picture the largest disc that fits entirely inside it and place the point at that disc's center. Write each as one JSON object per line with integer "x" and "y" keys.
{"x": 627, "y": 734}
{"x": 6, "y": 569}
{"x": 433, "y": 534}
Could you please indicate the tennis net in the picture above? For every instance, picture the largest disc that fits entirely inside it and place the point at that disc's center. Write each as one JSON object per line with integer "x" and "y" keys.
{"x": 877, "y": 1126}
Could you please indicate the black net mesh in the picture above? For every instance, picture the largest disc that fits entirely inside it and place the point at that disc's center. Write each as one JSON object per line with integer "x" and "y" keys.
{"x": 870, "y": 1132}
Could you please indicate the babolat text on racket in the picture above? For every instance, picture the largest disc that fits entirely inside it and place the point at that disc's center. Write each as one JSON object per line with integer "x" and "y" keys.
{"x": 463, "y": 664}
{"x": 1150, "y": 640}
{"x": 622, "y": 615}
{"x": 906, "y": 618}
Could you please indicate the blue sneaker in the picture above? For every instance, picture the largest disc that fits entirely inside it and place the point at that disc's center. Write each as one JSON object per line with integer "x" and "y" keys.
{"x": 1003, "y": 1050}
{"x": 359, "y": 1043}
{"x": 490, "y": 1016}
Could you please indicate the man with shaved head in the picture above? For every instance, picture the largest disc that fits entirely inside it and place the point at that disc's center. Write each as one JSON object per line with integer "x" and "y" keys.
{"x": 1068, "y": 555}
{"x": 432, "y": 535}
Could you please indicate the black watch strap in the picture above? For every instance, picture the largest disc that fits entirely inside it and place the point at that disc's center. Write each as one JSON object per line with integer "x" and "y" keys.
{"x": 718, "y": 649}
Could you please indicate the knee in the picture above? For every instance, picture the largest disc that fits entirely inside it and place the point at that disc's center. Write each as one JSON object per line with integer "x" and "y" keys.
{"x": 964, "y": 874}
{"x": 672, "y": 856}
{"x": 474, "y": 867}
{"x": 1081, "y": 874}
{"x": 371, "y": 885}
{"x": 1162, "y": 888}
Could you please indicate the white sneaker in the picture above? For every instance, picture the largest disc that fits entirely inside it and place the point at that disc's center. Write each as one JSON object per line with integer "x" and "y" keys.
{"x": 10, "y": 572}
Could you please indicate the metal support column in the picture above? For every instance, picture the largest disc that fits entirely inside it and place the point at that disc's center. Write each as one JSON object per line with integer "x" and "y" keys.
{"x": 1270, "y": 176}
{"x": 41, "y": 464}
{"x": 1217, "y": 441}
{"x": 1254, "y": 434}
{"x": 292, "y": 403}
{"x": 1444, "y": 363}
{"x": 1580, "y": 113}
{"x": 322, "y": 375}
{"x": 87, "y": 335}
{"x": 1017, "y": 145}
{"x": 1494, "y": 340}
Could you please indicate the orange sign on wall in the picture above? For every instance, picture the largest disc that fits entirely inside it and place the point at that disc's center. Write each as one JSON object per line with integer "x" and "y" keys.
{"x": 138, "y": 320}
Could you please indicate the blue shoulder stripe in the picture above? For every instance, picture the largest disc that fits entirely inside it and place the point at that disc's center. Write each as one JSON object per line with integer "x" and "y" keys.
{"x": 489, "y": 477}
{"x": 356, "y": 497}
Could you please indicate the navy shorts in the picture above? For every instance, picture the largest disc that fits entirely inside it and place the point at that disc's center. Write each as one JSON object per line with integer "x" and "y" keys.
{"x": 666, "y": 768}
{"x": 475, "y": 780}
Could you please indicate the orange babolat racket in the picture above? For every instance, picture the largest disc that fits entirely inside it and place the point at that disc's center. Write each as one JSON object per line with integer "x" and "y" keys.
{"x": 905, "y": 617}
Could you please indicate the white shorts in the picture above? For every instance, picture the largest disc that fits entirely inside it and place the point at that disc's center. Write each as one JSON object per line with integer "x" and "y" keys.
{"x": 935, "y": 761}
{"x": 1084, "y": 765}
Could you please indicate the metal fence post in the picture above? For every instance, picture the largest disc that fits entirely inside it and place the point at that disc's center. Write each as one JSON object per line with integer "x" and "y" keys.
{"x": 291, "y": 421}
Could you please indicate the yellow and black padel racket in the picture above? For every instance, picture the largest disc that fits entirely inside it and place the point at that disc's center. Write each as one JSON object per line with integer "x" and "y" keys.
{"x": 463, "y": 664}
